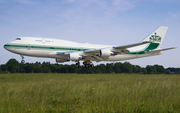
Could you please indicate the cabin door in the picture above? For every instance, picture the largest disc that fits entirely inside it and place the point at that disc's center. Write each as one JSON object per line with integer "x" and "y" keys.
{"x": 29, "y": 47}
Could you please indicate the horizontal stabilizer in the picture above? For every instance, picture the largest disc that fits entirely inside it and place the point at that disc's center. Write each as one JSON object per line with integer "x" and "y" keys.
{"x": 161, "y": 50}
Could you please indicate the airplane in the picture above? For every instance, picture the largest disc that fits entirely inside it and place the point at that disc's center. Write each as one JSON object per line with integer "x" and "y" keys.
{"x": 64, "y": 51}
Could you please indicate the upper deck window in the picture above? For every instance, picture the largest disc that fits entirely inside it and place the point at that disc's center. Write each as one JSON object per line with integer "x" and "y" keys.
{"x": 18, "y": 38}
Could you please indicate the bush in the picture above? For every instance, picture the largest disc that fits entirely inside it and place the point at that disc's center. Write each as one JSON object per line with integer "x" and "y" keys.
{"x": 37, "y": 70}
{"x": 6, "y": 72}
{"x": 46, "y": 70}
{"x": 168, "y": 72}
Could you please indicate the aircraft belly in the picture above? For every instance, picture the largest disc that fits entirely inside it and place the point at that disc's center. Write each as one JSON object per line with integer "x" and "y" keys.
{"x": 36, "y": 53}
{"x": 121, "y": 57}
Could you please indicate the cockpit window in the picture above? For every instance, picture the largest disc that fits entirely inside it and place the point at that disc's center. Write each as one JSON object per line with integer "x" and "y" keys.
{"x": 18, "y": 38}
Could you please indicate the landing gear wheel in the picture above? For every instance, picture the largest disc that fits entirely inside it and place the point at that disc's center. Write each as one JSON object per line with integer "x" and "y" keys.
{"x": 88, "y": 64}
{"x": 78, "y": 64}
{"x": 22, "y": 62}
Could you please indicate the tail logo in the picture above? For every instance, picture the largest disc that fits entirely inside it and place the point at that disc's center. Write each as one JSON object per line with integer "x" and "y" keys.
{"x": 155, "y": 38}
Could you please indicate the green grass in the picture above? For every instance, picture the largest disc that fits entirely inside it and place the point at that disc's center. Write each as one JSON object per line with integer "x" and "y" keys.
{"x": 89, "y": 93}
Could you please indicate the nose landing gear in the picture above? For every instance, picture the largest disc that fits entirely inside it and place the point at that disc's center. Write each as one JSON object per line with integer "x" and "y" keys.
{"x": 22, "y": 61}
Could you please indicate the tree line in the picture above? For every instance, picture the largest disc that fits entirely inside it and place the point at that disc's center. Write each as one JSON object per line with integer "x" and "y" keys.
{"x": 13, "y": 66}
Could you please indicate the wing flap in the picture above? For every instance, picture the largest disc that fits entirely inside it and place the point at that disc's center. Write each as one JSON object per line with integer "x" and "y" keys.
{"x": 97, "y": 57}
{"x": 94, "y": 51}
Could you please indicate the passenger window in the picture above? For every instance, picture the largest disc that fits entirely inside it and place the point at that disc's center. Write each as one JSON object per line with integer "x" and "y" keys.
{"x": 18, "y": 38}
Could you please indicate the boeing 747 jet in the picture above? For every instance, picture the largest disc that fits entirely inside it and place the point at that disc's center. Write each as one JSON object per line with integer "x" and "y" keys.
{"x": 64, "y": 51}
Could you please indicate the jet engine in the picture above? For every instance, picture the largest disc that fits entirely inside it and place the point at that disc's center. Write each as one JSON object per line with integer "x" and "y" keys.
{"x": 61, "y": 60}
{"x": 74, "y": 57}
{"x": 105, "y": 53}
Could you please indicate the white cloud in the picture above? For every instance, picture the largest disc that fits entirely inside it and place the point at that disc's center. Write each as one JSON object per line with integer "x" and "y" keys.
{"x": 173, "y": 15}
{"x": 83, "y": 9}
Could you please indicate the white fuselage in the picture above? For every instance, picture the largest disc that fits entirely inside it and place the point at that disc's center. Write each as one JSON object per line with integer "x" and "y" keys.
{"x": 45, "y": 47}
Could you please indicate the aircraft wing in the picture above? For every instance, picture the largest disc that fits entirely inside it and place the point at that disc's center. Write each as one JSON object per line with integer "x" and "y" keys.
{"x": 95, "y": 53}
{"x": 131, "y": 45}
{"x": 116, "y": 49}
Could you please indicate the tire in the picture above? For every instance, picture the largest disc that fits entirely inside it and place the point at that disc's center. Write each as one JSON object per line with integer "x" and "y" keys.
{"x": 22, "y": 62}
{"x": 79, "y": 66}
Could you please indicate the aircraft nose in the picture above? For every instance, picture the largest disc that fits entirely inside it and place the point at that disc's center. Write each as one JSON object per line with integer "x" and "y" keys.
{"x": 5, "y": 46}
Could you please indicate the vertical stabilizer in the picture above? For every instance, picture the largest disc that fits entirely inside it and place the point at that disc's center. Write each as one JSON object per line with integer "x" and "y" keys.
{"x": 157, "y": 36}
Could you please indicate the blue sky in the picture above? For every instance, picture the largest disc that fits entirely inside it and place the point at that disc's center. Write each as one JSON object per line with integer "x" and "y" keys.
{"x": 113, "y": 22}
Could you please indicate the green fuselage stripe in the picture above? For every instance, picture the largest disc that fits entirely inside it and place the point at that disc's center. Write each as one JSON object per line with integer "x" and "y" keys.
{"x": 151, "y": 47}
{"x": 44, "y": 47}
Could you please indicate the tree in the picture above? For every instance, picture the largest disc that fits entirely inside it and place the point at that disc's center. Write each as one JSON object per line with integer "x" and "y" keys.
{"x": 173, "y": 70}
{"x": 117, "y": 67}
{"x": 22, "y": 70}
{"x": 73, "y": 68}
{"x": 109, "y": 68}
{"x": 151, "y": 69}
{"x": 28, "y": 68}
{"x": 37, "y": 70}
{"x": 134, "y": 68}
{"x": 4, "y": 67}
{"x": 139, "y": 69}
{"x": 168, "y": 72}
{"x": 102, "y": 68}
{"x": 160, "y": 69}
{"x": 127, "y": 68}
{"x": 64, "y": 69}
{"x": 144, "y": 70}
{"x": 13, "y": 66}
{"x": 46, "y": 70}
{"x": 0, "y": 70}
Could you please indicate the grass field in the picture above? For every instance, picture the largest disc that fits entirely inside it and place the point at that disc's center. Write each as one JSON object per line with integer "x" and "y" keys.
{"x": 89, "y": 93}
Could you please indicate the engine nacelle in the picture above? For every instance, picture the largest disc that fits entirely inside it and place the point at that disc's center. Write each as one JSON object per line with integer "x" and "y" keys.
{"x": 61, "y": 60}
{"x": 105, "y": 53}
{"x": 74, "y": 57}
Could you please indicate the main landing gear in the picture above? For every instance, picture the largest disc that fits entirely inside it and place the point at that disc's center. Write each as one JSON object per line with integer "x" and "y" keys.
{"x": 78, "y": 64}
{"x": 87, "y": 64}
{"x": 22, "y": 61}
